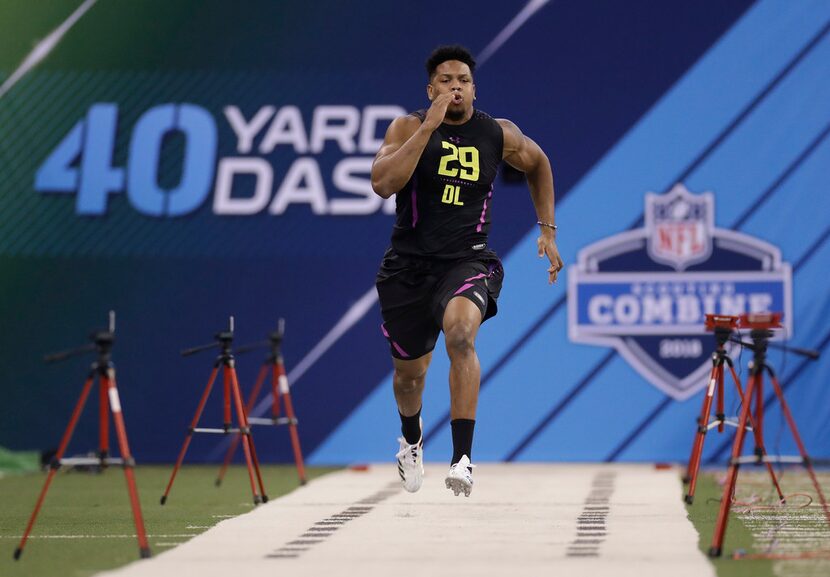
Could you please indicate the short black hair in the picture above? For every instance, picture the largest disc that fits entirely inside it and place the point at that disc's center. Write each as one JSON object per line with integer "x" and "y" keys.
{"x": 452, "y": 52}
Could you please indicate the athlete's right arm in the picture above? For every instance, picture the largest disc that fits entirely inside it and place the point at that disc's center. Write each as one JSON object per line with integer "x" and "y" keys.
{"x": 402, "y": 147}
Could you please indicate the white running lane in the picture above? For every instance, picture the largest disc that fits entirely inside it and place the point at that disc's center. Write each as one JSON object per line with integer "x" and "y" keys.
{"x": 522, "y": 519}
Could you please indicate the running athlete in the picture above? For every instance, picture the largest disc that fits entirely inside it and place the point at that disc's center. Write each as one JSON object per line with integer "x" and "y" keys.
{"x": 439, "y": 273}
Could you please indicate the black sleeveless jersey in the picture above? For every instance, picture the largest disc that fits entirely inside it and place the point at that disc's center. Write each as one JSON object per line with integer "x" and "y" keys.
{"x": 444, "y": 209}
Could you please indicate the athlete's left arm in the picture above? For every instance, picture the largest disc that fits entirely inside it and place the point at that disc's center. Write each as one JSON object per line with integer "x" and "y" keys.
{"x": 523, "y": 154}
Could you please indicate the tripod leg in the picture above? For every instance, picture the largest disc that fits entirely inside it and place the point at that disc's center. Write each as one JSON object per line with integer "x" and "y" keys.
{"x": 189, "y": 435}
{"x": 760, "y": 447}
{"x": 263, "y": 372}
{"x": 808, "y": 464}
{"x": 245, "y": 432}
{"x": 228, "y": 458}
{"x": 247, "y": 441}
{"x": 255, "y": 461}
{"x": 226, "y": 399}
{"x": 759, "y": 440}
{"x": 736, "y": 379}
{"x": 56, "y": 461}
{"x": 715, "y": 380}
{"x": 292, "y": 423}
{"x": 295, "y": 440}
{"x": 732, "y": 474}
{"x": 758, "y": 425}
{"x": 129, "y": 462}
{"x": 103, "y": 423}
{"x": 702, "y": 418}
{"x": 720, "y": 415}
{"x": 260, "y": 380}
{"x": 275, "y": 389}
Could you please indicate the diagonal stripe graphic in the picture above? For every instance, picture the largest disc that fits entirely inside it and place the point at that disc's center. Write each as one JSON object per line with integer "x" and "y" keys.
{"x": 560, "y": 407}
{"x": 684, "y": 175}
{"x": 45, "y": 47}
{"x": 642, "y": 426}
{"x": 531, "y": 8}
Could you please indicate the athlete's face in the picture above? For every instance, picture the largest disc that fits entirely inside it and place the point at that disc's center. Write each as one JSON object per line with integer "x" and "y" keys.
{"x": 453, "y": 76}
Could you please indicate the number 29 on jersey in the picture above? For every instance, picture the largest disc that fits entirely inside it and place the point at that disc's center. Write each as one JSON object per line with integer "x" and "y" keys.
{"x": 467, "y": 158}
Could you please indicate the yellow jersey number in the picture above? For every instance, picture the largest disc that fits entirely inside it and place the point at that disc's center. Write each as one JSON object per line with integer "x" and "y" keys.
{"x": 466, "y": 156}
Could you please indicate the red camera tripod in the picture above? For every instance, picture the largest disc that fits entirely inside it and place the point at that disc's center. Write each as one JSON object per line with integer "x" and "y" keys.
{"x": 108, "y": 402}
{"x": 761, "y": 330}
{"x": 227, "y": 363}
{"x": 722, "y": 326}
{"x": 274, "y": 366}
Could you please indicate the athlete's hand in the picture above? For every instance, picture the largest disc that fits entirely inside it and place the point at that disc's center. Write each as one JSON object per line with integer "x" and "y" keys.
{"x": 437, "y": 111}
{"x": 547, "y": 247}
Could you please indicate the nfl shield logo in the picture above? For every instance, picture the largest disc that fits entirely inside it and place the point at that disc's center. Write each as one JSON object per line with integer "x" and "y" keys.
{"x": 646, "y": 291}
{"x": 679, "y": 226}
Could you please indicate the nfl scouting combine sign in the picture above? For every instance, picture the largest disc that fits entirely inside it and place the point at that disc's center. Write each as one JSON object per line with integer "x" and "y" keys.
{"x": 645, "y": 292}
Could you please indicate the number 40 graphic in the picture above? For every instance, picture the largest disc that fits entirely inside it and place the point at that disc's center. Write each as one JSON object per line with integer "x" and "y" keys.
{"x": 82, "y": 162}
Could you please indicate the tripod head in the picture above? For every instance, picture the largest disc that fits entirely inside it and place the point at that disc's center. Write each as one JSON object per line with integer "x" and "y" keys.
{"x": 722, "y": 326}
{"x": 102, "y": 341}
{"x": 224, "y": 339}
{"x": 274, "y": 342}
{"x": 762, "y": 328}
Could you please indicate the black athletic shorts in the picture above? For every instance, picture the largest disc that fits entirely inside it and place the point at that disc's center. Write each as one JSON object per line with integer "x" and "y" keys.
{"x": 415, "y": 291}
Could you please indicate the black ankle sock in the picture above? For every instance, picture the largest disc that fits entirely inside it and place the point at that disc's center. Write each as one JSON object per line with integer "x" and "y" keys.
{"x": 462, "y": 438}
{"x": 411, "y": 427}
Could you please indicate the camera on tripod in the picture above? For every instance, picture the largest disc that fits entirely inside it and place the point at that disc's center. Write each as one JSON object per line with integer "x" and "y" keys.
{"x": 724, "y": 322}
{"x": 761, "y": 321}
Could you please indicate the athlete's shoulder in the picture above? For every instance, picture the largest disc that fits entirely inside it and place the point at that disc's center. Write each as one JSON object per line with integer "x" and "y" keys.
{"x": 402, "y": 128}
{"x": 489, "y": 126}
{"x": 507, "y": 125}
{"x": 411, "y": 121}
{"x": 481, "y": 115}
{"x": 481, "y": 118}
{"x": 512, "y": 134}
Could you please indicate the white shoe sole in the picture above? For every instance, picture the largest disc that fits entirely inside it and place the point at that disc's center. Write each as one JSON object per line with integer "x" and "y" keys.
{"x": 458, "y": 486}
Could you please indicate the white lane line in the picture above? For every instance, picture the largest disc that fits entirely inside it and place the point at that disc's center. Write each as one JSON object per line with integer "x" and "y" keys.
{"x": 45, "y": 46}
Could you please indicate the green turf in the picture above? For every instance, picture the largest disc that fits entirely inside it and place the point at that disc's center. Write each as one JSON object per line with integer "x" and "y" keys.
{"x": 703, "y": 514}
{"x": 795, "y": 532}
{"x": 96, "y": 506}
{"x": 15, "y": 462}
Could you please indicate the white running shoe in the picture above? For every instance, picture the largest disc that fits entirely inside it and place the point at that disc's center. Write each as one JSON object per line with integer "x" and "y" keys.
{"x": 411, "y": 463}
{"x": 460, "y": 477}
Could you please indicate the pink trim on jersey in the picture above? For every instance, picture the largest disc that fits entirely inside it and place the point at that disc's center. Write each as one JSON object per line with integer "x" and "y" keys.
{"x": 484, "y": 210}
{"x": 463, "y": 288}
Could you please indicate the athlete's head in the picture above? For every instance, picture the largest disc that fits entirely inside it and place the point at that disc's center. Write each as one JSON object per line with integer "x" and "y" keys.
{"x": 450, "y": 70}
